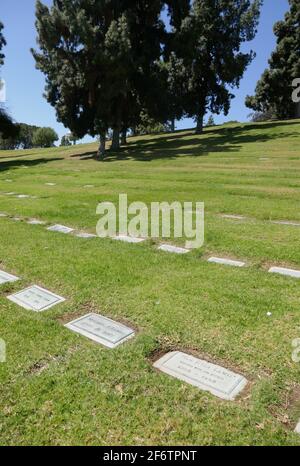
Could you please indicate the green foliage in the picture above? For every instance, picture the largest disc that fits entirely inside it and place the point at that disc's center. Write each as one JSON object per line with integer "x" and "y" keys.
{"x": 211, "y": 38}
{"x": 8, "y": 129}
{"x": 2, "y": 44}
{"x": 273, "y": 93}
{"x": 25, "y": 138}
{"x": 44, "y": 137}
{"x": 210, "y": 121}
{"x": 68, "y": 140}
{"x": 261, "y": 116}
{"x": 65, "y": 141}
{"x": 149, "y": 126}
{"x": 99, "y": 59}
{"x": 22, "y": 138}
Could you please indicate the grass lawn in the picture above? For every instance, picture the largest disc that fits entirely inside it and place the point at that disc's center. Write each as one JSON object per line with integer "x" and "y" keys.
{"x": 59, "y": 388}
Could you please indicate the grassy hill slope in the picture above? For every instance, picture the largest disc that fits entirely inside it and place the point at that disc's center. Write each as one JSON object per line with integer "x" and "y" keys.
{"x": 60, "y": 388}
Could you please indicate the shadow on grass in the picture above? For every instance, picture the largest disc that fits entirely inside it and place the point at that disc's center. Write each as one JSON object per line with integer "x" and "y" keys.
{"x": 15, "y": 163}
{"x": 187, "y": 143}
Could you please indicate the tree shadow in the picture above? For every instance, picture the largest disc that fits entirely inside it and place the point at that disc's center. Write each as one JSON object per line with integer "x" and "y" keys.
{"x": 90, "y": 155}
{"x": 185, "y": 143}
{"x": 15, "y": 163}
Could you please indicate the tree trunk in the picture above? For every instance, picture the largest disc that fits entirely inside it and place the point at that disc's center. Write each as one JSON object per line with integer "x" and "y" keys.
{"x": 199, "y": 127}
{"x": 173, "y": 125}
{"x": 123, "y": 137}
{"x": 115, "y": 145}
{"x": 101, "y": 150}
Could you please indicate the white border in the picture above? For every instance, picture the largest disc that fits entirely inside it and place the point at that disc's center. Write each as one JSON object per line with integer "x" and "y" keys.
{"x": 161, "y": 364}
{"x": 219, "y": 260}
{"x": 57, "y": 228}
{"x": 9, "y": 278}
{"x": 173, "y": 249}
{"x": 14, "y": 298}
{"x": 99, "y": 339}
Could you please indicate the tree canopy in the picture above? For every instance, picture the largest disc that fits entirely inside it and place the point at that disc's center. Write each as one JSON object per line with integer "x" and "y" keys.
{"x": 2, "y": 44}
{"x": 109, "y": 63}
{"x": 273, "y": 94}
{"x": 44, "y": 137}
{"x": 7, "y": 127}
{"x": 210, "y": 41}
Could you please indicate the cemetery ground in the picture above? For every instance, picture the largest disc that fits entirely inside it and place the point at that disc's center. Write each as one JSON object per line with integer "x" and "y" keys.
{"x": 60, "y": 388}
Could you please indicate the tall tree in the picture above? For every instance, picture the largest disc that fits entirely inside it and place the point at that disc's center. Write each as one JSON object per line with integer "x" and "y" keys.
{"x": 273, "y": 93}
{"x": 2, "y": 44}
{"x": 97, "y": 56}
{"x": 173, "y": 65}
{"x": 210, "y": 38}
{"x": 7, "y": 127}
{"x": 44, "y": 137}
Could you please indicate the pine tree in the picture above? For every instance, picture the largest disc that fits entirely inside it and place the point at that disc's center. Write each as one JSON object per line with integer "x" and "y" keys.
{"x": 173, "y": 65}
{"x": 99, "y": 58}
{"x": 274, "y": 90}
{"x": 210, "y": 121}
{"x": 7, "y": 127}
{"x": 2, "y": 44}
{"x": 211, "y": 37}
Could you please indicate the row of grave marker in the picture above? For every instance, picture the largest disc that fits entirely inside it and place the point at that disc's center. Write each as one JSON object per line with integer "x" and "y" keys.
{"x": 277, "y": 222}
{"x": 217, "y": 380}
{"x": 163, "y": 247}
{"x": 213, "y": 378}
{"x": 20, "y": 196}
{"x": 226, "y": 216}
{"x": 206, "y": 376}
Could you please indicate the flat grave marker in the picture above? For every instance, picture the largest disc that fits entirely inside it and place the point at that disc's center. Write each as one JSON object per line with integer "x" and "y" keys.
{"x": 3, "y": 215}
{"x": 23, "y": 196}
{"x": 232, "y": 263}
{"x": 36, "y": 299}
{"x": 128, "y": 239}
{"x": 286, "y": 272}
{"x": 60, "y": 229}
{"x": 85, "y": 235}
{"x": 34, "y": 221}
{"x": 7, "y": 277}
{"x": 173, "y": 249}
{"x": 101, "y": 330}
{"x": 233, "y": 217}
{"x": 209, "y": 377}
{"x": 286, "y": 222}
{"x": 50, "y": 184}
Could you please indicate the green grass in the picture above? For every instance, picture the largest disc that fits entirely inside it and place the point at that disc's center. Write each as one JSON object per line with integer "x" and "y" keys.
{"x": 59, "y": 388}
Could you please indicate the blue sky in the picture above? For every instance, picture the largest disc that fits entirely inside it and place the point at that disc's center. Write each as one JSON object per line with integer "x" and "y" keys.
{"x": 25, "y": 84}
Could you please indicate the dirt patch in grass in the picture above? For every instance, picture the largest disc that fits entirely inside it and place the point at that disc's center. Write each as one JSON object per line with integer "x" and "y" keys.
{"x": 40, "y": 366}
{"x": 266, "y": 265}
{"x": 288, "y": 411}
